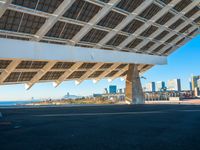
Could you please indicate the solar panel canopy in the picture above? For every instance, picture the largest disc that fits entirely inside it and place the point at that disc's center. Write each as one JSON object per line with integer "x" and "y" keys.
{"x": 152, "y": 27}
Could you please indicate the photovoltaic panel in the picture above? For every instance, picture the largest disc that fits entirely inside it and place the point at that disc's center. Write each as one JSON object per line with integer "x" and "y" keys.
{"x": 111, "y": 20}
{"x": 82, "y": 10}
{"x": 129, "y": 5}
{"x": 151, "y": 11}
{"x": 94, "y": 36}
{"x": 182, "y": 4}
{"x": 41, "y": 5}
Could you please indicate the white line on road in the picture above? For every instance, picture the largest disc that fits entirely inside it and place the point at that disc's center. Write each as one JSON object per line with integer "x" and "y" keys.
{"x": 189, "y": 110}
{"x": 114, "y": 113}
{"x": 99, "y": 114}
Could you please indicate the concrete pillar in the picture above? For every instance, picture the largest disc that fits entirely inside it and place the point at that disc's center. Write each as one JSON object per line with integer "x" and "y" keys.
{"x": 134, "y": 92}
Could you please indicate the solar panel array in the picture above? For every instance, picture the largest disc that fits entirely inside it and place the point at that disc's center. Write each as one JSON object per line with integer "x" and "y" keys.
{"x": 155, "y": 27}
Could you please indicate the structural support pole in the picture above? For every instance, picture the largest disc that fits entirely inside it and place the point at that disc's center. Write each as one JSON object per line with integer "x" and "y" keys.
{"x": 134, "y": 92}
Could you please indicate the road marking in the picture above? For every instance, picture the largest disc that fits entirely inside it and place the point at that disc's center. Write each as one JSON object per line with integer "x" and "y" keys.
{"x": 114, "y": 113}
{"x": 99, "y": 114}
{"x": 5, "y": 123}
{"x": 189, "y": 110}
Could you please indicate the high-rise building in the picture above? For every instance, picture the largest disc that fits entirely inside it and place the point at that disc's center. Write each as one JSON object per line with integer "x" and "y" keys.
{"x": 174, "y": 85}
{"x": 160, "y": 85}
{"x": 105, "y": 91}
{"x": 190, "y": 84}
{"x": 196, "y": 91}
{"x": 112, "y": 89}
{"x": 120, "y": 91}
{"x": 194, "y": 81}
{"x": 198, "y": 83}
{"x": 150, "y": 87}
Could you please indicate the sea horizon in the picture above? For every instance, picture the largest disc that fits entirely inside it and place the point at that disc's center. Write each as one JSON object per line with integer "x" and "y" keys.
{"x": 16, "y": 102}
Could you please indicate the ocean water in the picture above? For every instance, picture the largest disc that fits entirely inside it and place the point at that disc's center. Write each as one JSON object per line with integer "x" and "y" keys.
{"x": 15, "y": 103}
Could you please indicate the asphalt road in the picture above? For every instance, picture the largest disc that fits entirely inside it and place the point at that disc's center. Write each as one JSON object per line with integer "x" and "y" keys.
{"x": 141, "y": 127}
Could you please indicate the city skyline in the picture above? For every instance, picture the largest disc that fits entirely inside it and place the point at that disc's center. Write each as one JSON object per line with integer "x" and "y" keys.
{"x": 170, "y": 85}
{"x": 181, "y": 64}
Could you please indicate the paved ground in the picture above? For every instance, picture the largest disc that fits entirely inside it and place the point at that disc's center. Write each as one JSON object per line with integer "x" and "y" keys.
{"x": 141, "y": 127}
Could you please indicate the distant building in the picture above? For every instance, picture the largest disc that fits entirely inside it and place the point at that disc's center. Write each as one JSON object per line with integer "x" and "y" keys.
{"x": 160, "y": 85}
{"x": 97, "y": 95}
{"x": 194, "y": 82}
{"x": 112, "y": 89}
{"x": 105, "y": 91}
{"x": 120, "y": 91}
{"x": 150, "y": 87}
{"x": 198, "y": 83}
{"x": 190, "y": 85}
{"x": 196, "y": 91}
{"x": 174, "y": 85}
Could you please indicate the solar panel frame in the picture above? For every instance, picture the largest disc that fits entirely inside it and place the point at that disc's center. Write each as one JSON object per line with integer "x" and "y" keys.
{"x": 64, "y": 30}
{"x": 52, "y": 75}
{"x": 150, "y": 11}
{"x": 129, "y": 5}
{"x": 166, "y": 17}
{"x": 4, "y": 63}
{"x": 20, "y": 76}
{"x": 116, "y": 40}
{"x": 94, "y": 36}
{"x": 63, "y": 65}
{"x": 112, "y": 73}
{"x": 181, "y": 5}
{"x": 134, "y": 43}
{"x": 82, "y": 11}
{"x": 133, "y": 26}
{"x": 150, "y": 30}
{"x": 31, "y": 64}
{"x": 42, "y": 5}
{"x": 96, "y": 74}
{"x": 161, "y": 35}
{"x": 111, "y": 20}
{"x": 76, "y": 74}
{"x": 87, "y": 65}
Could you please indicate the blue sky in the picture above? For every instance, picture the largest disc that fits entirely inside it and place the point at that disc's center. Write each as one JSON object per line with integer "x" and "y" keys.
{"x": 181, "y": 64}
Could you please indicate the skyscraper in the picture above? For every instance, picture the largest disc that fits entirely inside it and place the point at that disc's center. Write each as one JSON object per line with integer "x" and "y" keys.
{"x": 190, "y": 84}
{"x": 150, "y": 87}
{"x": 160, "y": 85}
{"x": 198, "y": 83}
{"x": 194, "y": 80}
{"x": 174, "y": 85}
{"x": 112, "y": 89}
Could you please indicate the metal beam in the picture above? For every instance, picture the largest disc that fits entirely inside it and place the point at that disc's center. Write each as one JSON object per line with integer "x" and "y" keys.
{"x": 118, "y": 73}
{"x": 125, "y": 22}
{"x": 105, "y": 73}
{"x": 67, "y": 74}
{"x": 30, "y": 50}
{"x": 89, "y": 72}
{"x": 103, "y": 12}
{"x": 147, "y": 24}
{"x": 39, "y": 74}
{"x": 4, "y": 5}
{"x": 171, "y": 21}
{"x": 178, "y": 16}
{"x": 145, "y": 69}
{"x": 49, "y": 23}
{"x": 67, "y": 20}
{"x": 173, "y": 42}
{"x": 8, "y": 70}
